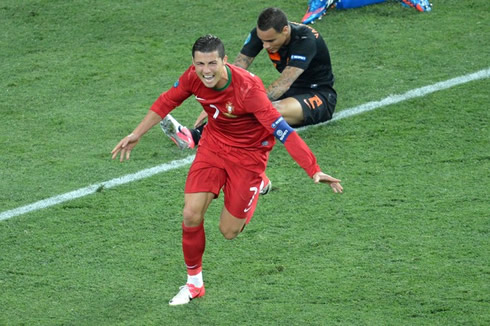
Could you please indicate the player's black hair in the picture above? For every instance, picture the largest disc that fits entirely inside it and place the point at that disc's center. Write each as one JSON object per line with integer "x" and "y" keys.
{"x": 209, "y": 43}
{"x": 272, "y": 18}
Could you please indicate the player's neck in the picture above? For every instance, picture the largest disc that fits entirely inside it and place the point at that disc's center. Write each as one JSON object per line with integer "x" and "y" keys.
{"x": 225, "y": 79}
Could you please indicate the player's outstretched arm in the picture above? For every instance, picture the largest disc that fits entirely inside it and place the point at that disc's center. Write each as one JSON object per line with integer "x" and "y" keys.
{"x": 331, "y": 181}
{"x": 302, "y": 154}
{"x": 126, "y": 145}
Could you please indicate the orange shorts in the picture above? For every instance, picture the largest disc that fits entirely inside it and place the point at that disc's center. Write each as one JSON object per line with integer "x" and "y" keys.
{"x": 234, "y": 170}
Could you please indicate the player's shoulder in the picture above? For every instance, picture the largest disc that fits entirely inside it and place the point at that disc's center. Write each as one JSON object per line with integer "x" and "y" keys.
{"x": 188, "y": 81}
{"x": 245, "y": 82}
{"x": 190, "y": 78}
{"x": 303, "y": 32}
{"x": 189, "y": 74}
{"x": 243, "y": 76}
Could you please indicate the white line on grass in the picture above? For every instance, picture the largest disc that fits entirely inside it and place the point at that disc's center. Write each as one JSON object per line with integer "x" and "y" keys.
{"x": 418, "y": 92}
{"x": 93, "y": 188}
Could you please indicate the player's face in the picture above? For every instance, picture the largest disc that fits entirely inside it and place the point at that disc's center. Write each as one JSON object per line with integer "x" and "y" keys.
{"x": 210, "y": 68}
{"x": 273, "y": 40}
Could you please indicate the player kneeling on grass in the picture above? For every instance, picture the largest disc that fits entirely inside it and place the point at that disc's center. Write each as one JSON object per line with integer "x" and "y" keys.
{"x": 233, "y": 152}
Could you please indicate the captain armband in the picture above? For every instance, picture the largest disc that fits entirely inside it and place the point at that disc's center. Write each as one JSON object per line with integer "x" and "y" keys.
{"x": 282, "y": 129}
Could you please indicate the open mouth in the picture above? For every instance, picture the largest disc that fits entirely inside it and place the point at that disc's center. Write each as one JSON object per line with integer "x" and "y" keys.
{"x": 208, "y": 79}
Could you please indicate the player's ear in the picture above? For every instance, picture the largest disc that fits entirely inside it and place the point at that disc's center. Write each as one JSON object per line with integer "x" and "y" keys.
{"x": 225, "y": 59}
{"x": 285, "y": 29}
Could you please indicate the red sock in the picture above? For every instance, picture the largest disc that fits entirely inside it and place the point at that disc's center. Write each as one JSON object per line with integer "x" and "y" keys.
{"x": 193, "y": 243}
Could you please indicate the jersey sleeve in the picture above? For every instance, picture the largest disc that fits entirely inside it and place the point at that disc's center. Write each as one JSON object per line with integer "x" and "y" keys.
{"x": 252, "y": 45}
{"x": 272, "y": 120}
{"x": 173, "y": 97}
{"x": 302, "y": 154}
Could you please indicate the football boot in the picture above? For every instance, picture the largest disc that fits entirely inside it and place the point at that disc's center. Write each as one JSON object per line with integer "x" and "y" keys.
{"x": 179, "y": 134}
{"x": 316, "y": 10}
{"x": 420, "y": 5}
{"x": 186, "y": 294}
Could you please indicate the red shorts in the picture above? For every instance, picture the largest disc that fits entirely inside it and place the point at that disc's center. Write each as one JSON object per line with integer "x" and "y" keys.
{"x": 234, "y": 170}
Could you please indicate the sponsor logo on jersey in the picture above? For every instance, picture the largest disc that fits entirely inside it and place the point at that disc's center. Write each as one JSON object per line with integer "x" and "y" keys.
{"x": 298, "y": 57}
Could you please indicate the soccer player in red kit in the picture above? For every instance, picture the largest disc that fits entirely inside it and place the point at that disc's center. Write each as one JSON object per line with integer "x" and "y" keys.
{"x": 232, "y": 154}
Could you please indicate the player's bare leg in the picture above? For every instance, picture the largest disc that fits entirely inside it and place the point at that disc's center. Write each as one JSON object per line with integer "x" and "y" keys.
{"x": 291, "y": 110}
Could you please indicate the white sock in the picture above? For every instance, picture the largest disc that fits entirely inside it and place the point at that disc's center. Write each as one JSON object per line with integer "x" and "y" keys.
{"x": 195, "y": 280}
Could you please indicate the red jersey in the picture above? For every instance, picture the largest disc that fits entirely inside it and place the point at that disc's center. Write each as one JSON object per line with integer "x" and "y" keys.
{"x": 239, "y": 114}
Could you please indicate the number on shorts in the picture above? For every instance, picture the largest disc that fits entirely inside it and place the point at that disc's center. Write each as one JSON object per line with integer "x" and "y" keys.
{"x": 254, "y": 190}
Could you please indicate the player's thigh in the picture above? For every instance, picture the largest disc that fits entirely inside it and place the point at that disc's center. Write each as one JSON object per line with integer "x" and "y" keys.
{"x": 241, "y": 192}
{"x": 206, "y": 174}
{"x": 204, "y": 181}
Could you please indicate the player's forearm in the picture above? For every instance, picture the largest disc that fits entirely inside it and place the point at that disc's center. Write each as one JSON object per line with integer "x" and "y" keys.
{"x": 243, "y": 61}
{"x": 283, "y": 83}
{"x": 147, "y": 123}
{"x": 276, "y": 90}
{"x": 295, "y": 146}
{"x": 302, "y": 154}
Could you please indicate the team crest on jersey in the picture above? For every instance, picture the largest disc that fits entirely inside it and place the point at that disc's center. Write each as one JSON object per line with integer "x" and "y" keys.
{"x": 229, "y": 110}
{"x": 176, "y": 83}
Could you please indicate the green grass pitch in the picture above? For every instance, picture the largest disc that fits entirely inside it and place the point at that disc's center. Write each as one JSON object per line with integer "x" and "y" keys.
{"x": 406, "y": 244}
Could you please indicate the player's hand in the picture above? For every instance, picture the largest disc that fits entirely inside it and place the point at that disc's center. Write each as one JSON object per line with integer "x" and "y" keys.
{"x": 332, "y": 182}
{"x": 201, "y": 119}
{"x": 125, "y": 146}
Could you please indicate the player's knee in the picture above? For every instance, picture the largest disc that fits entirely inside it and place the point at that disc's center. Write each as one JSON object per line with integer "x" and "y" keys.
{"x": 191, "y": 217}
{"x": 228, "y": 232}
{"x": 293, "y": 114}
